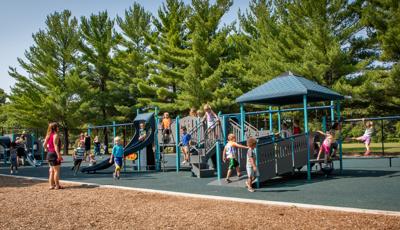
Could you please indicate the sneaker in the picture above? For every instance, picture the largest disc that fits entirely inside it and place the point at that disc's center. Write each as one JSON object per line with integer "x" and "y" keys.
{"x": 118, "y": 177}
{"x": 11, "y": 172}
{"x": 228, "y": 181}
{"x": 250, "y": 189}
{"x": 183, "y": 162}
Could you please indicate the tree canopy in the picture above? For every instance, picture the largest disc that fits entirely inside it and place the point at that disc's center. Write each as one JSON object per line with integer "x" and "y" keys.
{"x": 99, "y": 69}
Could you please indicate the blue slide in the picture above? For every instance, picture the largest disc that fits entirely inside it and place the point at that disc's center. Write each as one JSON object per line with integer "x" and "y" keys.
{"x": 134, "y": 145}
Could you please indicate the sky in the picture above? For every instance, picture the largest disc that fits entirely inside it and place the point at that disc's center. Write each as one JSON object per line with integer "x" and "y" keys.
{"x": 19, "y": 19}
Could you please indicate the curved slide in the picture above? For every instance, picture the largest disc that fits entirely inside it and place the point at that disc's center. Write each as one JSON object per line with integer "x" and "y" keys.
{"x": 134, "y": 145}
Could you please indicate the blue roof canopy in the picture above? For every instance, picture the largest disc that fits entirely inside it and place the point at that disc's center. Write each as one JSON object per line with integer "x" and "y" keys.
{"x": 288, "y": 89}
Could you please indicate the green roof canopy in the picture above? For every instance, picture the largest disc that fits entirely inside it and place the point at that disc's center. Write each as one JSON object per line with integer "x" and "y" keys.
{"x": 288, "y": 89}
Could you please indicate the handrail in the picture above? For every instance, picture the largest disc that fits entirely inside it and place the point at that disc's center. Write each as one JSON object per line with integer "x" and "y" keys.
{"x": 373, "y": 118}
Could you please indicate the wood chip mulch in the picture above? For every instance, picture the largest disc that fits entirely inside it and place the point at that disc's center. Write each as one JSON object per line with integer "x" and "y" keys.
{"x": 26, "y": 204}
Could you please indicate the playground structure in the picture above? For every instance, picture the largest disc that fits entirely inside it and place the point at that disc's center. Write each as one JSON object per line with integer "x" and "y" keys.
{"x": 33, "y": 150}
{"x": 275, "y": 155}
{"x": 142, "y": 151}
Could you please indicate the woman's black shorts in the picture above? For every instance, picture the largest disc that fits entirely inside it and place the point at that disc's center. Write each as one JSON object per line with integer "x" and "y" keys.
{"x": 53, "y": 159}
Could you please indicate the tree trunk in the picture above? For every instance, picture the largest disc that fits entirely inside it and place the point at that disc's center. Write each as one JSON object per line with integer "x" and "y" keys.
{"x": 66, "y": 140}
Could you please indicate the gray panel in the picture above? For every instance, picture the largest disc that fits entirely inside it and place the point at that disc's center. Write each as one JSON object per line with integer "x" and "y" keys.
{"x": 300, "y": 151}
{"x": 284, "y": 162}
{"x": 266, "y": 162}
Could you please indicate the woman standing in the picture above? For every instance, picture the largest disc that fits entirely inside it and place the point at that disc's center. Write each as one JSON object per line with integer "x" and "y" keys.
{"x": 52, "y": 145}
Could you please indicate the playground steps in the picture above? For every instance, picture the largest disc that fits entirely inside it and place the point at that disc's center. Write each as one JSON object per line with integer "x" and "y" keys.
{"x": 201, "y": 170}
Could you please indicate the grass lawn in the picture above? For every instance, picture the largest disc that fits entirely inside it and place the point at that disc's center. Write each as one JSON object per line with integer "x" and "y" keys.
{"x": 375, "y": 147}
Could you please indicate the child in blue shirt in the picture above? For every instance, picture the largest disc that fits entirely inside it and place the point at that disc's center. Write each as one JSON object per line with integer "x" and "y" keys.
{"x": 185, "y": 145}
{"x": 117, "y": 154}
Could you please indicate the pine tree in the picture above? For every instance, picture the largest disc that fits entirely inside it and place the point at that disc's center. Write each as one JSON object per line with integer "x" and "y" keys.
{"x": 375, "y": 92}
{"x": 53, "y": 89}
{"x": 316, "y": 39}
{"x": 131, "y": 60}
{"x": 99, "y": 41}
{"x": 214, "y": 74}
{"x": 168, "y": 56}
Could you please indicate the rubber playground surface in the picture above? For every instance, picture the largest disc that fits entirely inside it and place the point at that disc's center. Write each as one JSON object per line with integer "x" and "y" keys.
{"x": 364, "y": 184}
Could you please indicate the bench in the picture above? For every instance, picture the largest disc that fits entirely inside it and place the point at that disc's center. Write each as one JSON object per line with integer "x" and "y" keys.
{"x": 373, "y": 158}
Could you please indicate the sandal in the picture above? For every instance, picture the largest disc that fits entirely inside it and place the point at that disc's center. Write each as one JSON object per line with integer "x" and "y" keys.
{"x": 250, "y": 189}
{"x": 59, "y": 187}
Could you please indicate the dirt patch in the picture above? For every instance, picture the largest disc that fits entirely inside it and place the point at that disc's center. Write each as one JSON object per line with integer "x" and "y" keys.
{"x": 27, "y": 204}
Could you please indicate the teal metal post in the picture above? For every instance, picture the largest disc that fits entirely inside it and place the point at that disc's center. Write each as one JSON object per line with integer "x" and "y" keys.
{"x": 156, "y": 141}
{"x": 114, "y": 130}
{"x": 137, "y": 111}
{"x": 242, "y": 118}
{"x": 224, "y": 129}
{"x": 332, "y": 112}
{"x": 270, "y": 120}
{"x": 89, "y": 131}
{"x": 218, "y": 152}
{"x": 324, "y": 124}
{"x": 307, "y": 136}
{"x": 178, "y": 149}
{"x": 258, "y": 179}
{"x": 199, "y": 125}
{"x": 340, "y": 137}
{"x": 279, "y": 119}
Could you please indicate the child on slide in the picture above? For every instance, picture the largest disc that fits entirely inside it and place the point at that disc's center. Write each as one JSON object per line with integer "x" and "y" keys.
{"x": 231, "y": 153}
{"x": 117, "y": 154}
{"x": 366, "y": 138}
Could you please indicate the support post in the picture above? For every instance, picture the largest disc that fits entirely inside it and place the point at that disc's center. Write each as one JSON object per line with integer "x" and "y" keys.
{"x": 307, "y": 136}
{"x": 257, "y": 162}
{"x": 32, "y": 144}
{"x": 218, "y": 152}
{"x": 114, "y": 130}
{"x": 242, "y": 119}
{"x": 270, "y": 120}
{"x": 324, "y": 123}
{"x": 157, "y": 145}
{"x": 178, "y": 150}
{"x": 89, "y": 131}
{"x": 224, "y": 129}
{"x": 382, "y": 139}
{"x": 279, "y": 119}
{"x": 340, "y": 137}
{"x": 332, "y": 112}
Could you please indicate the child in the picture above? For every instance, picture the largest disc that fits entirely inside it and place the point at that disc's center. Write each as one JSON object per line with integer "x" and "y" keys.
{"x": 13, "y": 157}
{"x": 366, "y": 138}
{"x": 142, "y": 131}
{"x": 92, "y": 160}
{"x": 185, "y": 144}
{"x": 285, "y": 133}
{"x": 166, "y": 124}
{"x": 117, "y": 154}
{"x": 230, "y": 152}
{"x": 296, "y": 127}
{"x": 326, "y": 144}
{"x": 96, "y": 143}
{"x": 251, "y": 167}
{"x": 78, "y": 155}
{"x": 210, "y": 116}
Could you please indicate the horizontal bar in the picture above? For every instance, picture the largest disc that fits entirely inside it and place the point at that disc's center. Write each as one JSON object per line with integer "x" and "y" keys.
{"x": 108, "y": 126}
{"x": 373, "y": 118}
